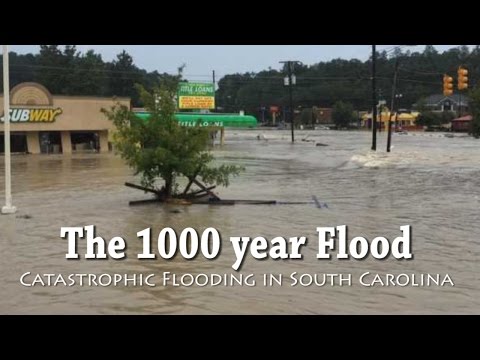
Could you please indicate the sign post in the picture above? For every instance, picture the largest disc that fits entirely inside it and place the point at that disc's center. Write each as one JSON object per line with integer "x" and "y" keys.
{"x": 8, "y": 208}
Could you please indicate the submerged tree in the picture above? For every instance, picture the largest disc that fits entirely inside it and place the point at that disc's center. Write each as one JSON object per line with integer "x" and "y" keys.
{"x": 161, "y": 148}
{"x": 343, "y": 115}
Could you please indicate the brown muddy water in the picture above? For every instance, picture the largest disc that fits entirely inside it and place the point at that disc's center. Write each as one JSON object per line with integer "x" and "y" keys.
{"x": 428, "y": 181}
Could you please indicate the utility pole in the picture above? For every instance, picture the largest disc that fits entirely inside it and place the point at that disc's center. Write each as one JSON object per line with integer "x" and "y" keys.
{"x": 394, "y": 89}
{"x": 374, "y": 100}
{"x": 214, "y": 91}
{"x": 290, "y": 91}
{"x": 8, "y": 208}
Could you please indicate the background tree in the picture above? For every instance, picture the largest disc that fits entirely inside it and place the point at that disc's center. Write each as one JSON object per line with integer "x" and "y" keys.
{"x": 474, "y": 106}
{"x": 431, "y": 119}
{"x": 90, "y": 75}
{"x": 123, "y": 76}
{"x": 428, "y": 119}
{"x": 307, "y": 117}
{"x": 64, "y": 70}
{"x": 160, "y": 147}
{"x": 343, "y": 115}
{"x": 50, "y": 69}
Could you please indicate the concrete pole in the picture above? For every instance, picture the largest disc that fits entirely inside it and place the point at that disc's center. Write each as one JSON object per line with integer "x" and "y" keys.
{"x": 222, "y": 136}
{"x": 8, "y": 208}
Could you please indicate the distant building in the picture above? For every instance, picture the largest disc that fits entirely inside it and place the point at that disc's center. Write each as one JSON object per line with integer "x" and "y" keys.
{"x": 442, "y": 103}
{"x": 314, "y": 116}
{"x": 462, "y": 124}
{"x": 402, "y": 121}
{"x": 323, "y": 115}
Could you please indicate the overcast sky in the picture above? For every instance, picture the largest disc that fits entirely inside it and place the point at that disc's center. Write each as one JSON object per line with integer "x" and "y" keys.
{"x": 200, "y": 60}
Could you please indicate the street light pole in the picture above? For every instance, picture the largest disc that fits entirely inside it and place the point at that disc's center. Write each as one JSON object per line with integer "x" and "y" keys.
{"x": 394, "y": 89}
{"x": 399, "y": 106}
{"x": 8, "y": 208}
{"x": 290, "y": 92}
{"x": 214, "y": 91}
{"x": 374, "y": 100}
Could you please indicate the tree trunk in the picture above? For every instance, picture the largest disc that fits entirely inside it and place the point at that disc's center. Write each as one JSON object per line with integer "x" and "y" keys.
{"x": 168, "y": 186}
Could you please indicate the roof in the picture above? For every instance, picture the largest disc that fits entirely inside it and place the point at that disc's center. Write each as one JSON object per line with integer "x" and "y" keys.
{"x": 439, "y": 98}
{"x": 464, "y": 118}
{"x": 386, "y": 115}
{"x": 407, "y": 116}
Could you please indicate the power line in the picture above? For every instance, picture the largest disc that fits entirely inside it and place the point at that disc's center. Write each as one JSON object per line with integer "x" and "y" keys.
{"x": 420, "y": 71}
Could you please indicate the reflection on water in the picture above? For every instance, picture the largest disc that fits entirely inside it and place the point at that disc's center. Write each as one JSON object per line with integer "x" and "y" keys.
{"x": 428, "y": 181}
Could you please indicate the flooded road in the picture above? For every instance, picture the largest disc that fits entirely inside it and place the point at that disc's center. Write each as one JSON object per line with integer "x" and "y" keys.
{"x": 428, "y": 181}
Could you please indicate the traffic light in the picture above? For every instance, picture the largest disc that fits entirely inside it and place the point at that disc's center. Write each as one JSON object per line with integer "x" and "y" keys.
{"x": 447, "y": 85}
{"x": 462, "y": 78}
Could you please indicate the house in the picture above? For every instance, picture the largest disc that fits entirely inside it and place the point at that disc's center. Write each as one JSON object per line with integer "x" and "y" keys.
{"x": 314, "y": 116}
{"x": 442, "y": 103}
{"x": 462, "y": 124}
{"x": 323, "y": 115}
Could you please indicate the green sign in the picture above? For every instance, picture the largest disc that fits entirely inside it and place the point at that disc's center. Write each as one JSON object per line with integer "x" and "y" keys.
{"x": 196, "y": 89}
{"x": 196, "y": 96}
{"x": 213, "y": 120}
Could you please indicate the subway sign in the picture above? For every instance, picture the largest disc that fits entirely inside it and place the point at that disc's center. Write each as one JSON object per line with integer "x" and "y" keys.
{"x": 33, "y": 115}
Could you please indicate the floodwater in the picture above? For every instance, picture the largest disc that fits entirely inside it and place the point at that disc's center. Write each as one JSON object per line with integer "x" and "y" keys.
{"x": 428, "y": 181}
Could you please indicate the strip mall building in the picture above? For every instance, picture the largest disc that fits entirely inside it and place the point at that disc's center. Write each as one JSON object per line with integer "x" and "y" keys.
{"x": 46, "y": 123}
